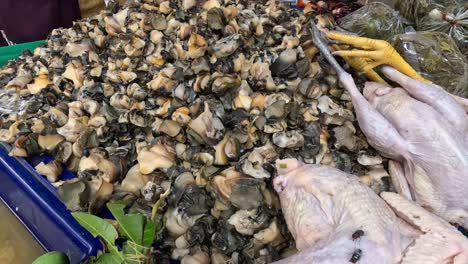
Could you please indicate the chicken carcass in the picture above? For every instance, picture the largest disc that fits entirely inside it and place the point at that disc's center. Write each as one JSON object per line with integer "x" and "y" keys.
{"x": 335, "y": 218}
{"x": 430, "y": 144}
{"x": 423, "y": 129}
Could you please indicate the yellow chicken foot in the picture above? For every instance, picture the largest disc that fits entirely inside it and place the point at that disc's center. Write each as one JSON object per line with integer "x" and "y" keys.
{"x": 379, "y": 52}
{"x": 357, "y": 63}
{"x": 360, "y": 64}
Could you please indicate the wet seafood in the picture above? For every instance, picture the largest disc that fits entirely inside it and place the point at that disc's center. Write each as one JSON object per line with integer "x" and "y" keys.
{"x": 197, "y": 97}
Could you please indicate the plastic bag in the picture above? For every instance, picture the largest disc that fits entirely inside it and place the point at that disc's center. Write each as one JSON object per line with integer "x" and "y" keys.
{"x": 390, "y": 3}
{"x": 375, "y": 20}
{"x": 452, "y": 20}
{"x": 437, "y": 58}
{"x": 414, "y": 10}
{"x": 12, "y": 103}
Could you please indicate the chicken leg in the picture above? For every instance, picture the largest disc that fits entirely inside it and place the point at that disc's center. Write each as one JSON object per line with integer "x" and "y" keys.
{"x": 368, "y": 117}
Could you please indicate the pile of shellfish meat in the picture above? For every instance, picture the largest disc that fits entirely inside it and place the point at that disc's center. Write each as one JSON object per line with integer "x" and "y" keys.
{"x": 195, "y": 97}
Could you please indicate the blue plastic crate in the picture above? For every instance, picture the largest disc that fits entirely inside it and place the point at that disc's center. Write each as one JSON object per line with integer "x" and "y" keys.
{"x": 35, "y": 203}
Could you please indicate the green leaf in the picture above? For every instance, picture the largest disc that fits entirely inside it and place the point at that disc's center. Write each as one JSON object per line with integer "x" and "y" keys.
{"x": 131, "y": 225}
{"x": 149, "y": 233}
{"x": 99, "y": 227}
{"x": 54, "y": 257}
{"x": 108, "y": 258}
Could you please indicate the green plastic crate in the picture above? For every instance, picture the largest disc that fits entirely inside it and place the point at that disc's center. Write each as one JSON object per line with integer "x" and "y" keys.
{"x": 11, "y": 52}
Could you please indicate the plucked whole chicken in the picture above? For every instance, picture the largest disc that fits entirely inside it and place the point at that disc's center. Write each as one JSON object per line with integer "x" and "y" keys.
{"x": 335, "y": 218}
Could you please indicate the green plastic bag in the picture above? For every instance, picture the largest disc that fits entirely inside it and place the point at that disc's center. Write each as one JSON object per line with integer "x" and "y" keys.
{"x": 437, "y": 58}
{"x": 375, "y": 20}
{"x": 452, "y": 20}
{"x": 415, "y": 10}
{"x": 11, "y": 52}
